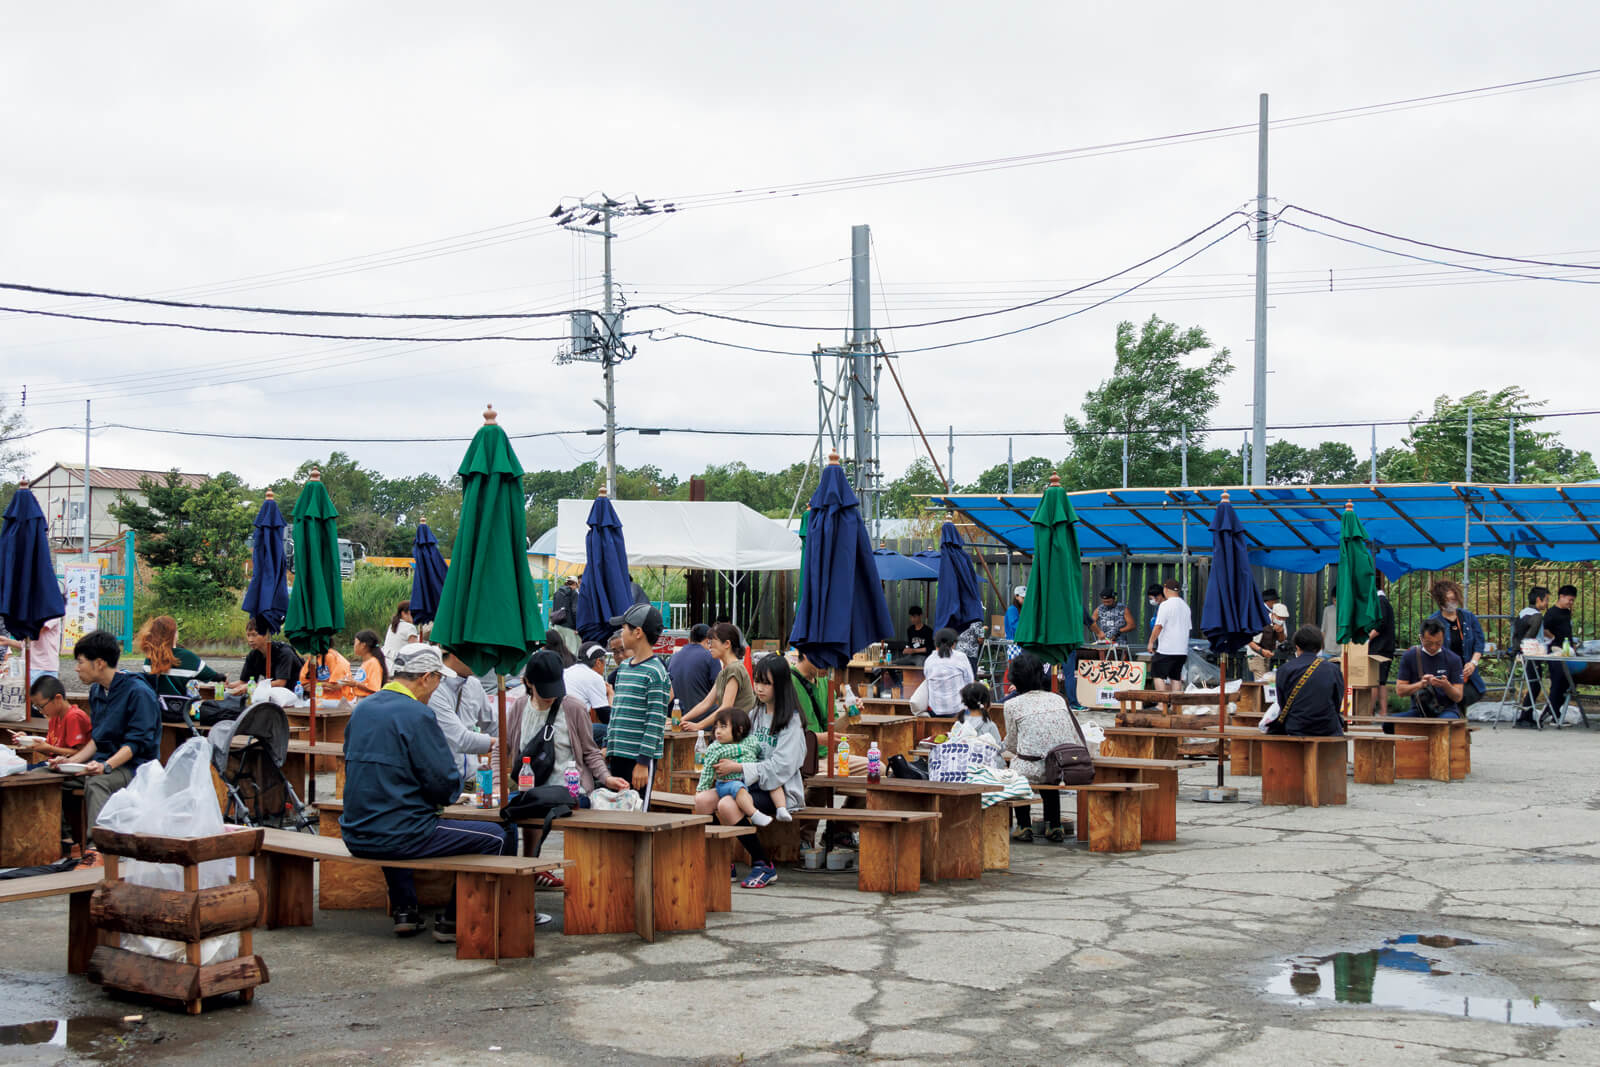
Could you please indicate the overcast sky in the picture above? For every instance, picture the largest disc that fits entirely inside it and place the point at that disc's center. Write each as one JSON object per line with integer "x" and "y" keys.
{"x": 159, "y": 148}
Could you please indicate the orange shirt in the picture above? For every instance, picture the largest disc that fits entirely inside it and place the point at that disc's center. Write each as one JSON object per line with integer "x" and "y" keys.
{"x": 337, "y": 666}
{"x": 374, "y": 680}
{"x": 69, "y": 731}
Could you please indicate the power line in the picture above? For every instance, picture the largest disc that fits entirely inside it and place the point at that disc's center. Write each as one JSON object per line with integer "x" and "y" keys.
{"x": 1440, "y": 262}
{"x": 1436, "y": 247}
{"x": 267, "y": 333}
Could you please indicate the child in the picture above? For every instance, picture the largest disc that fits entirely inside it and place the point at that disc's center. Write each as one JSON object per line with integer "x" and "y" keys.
{"x": 68, "y": 730}
{"x": 975, "y": 698}
{"x": 733, "y": 741}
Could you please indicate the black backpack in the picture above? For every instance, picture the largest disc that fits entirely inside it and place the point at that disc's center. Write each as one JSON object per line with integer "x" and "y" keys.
{"x": 540, "y": 751}
{"x": 547, "y": 802}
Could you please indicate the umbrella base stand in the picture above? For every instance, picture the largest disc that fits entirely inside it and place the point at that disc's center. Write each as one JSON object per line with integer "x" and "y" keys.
{"x": 1219, "y": 794}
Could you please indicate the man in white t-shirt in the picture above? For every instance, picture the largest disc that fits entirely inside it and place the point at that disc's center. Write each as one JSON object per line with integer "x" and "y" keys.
{"x": 1169, "y": 640}
{"x": 586, "y": 681}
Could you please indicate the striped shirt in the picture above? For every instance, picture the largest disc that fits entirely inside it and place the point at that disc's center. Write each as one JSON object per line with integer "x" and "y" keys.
{"x": 639, "y": 709}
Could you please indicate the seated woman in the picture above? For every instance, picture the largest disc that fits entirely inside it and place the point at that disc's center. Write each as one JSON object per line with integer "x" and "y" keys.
{"x": 1037, "y": 720}
{"x": 369, "y": 653}
{"x": 780, "y": 739}
{"x": 1310, "y": 691}
{"x": 944, "y": 675}
{"x": 172, "y": 668}
{"x": 732, "y": 687}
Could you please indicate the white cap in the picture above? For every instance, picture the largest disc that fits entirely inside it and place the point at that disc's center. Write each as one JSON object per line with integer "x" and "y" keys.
{"x": 1020, "y": 590}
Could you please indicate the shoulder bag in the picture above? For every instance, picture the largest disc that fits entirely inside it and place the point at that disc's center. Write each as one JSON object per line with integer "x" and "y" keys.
{"x": 1066, "y": 764}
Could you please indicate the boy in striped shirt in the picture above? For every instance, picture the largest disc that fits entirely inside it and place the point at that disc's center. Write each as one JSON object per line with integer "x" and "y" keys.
{"x": 639, "y": 707}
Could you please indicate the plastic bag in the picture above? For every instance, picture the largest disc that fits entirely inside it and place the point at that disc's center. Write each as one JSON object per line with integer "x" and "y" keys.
{"x": 1093, "y": 734}
{"x": 610, "y": 800}
{"x": 177, "y": 800}
{"x": 10, "y": 762}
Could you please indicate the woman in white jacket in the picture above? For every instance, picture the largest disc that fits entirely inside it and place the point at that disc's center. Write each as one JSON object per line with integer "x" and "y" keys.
{"x": 779, "y": 733}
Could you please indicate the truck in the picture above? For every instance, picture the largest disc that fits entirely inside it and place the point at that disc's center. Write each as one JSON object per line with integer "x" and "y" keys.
{"x": 350, "y": 553}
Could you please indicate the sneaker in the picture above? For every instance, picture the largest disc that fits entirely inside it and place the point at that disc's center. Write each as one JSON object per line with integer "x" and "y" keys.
{"x": 444, "y": 930}
{"x": 91, "y": 858}
{"x": 760, "y": 818}
{"x": 548, "y": 880}
{"x": 1056, "y": 835}
{"x": 784, "y": 816}
{"x": 408, "y": 923}
{"x": 541, "y": 919}
{"x": 761, "y": 876}
{"x": 1023, "y": 834}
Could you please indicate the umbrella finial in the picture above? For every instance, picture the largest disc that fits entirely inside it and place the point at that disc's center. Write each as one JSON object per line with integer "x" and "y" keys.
{"x": 316, "y": 474}
{"x": 1055, "y": 480}
{"x": 833, "y": 459}
{"x": 1225, "y": 497}
{"x": 271, "y": 495}
{"x": 489, "y": 415}
{"x": 1349, "y": 505}
{"x": 603, "y": 492}
{"x": 422, "y": 520}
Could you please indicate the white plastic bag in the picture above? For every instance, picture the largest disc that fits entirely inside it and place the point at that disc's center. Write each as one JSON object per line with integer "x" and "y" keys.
{"x": 603, "y": 799}
{"x": 173, "y": 801}
{"x": 1093, "y": 734}
{"x": 10, "y": 762}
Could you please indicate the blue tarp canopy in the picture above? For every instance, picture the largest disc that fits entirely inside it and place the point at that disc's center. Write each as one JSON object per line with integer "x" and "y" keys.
{"x": 1296, "y": 528}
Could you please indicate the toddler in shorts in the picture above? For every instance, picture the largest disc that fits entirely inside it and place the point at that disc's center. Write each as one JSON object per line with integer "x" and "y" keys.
{"x": 731, "y": 728}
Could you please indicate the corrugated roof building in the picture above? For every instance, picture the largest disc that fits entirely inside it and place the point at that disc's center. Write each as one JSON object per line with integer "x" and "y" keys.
{"x": 61, "y": 496}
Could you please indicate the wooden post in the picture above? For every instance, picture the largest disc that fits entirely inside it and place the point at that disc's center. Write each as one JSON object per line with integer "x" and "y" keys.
{"x": 505, "y": 753}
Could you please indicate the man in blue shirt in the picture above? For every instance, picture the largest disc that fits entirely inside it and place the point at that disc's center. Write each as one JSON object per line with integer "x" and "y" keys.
{"x": 693, "y": 668}
{"x": 125, "y": 731}
{"x": 399, "y": 772}
{"x": 1430, "y": 675}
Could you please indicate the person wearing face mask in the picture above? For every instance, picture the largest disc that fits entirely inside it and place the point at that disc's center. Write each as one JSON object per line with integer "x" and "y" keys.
{"x": 1462, "y": 635}
{"x": 1014, "y": 612}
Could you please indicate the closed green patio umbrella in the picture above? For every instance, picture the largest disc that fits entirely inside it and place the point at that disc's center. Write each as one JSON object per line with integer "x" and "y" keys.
{"x": 488, "y": 610}
{"x": 1357, "y": 589}
{"x": 316, "y": 603}
{"x": 1051, "y": 625}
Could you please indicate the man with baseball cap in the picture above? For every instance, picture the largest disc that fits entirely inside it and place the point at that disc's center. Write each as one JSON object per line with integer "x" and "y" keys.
{"x": 639, "y": 700}
{"x": 399, "y": 771}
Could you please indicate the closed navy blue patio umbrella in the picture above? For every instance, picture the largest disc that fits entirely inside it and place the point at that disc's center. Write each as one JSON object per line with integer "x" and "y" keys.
{"x": 606, "y": 590}
{"x": 427, "y": 575}
{"x": 959, "y": 603}
{"x": 29, "y": 595}
{"x": 266, "y": 599}
{"x": 893, "y": 567}
{"x": 1233, "y": 612}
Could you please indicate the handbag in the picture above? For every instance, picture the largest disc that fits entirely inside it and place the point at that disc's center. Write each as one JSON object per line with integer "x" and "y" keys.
{"x": 1282, "y": 720}
{"x": 540, "y": 751}
{"x": 547, "y": 802}
{"x": 1068, "y": 763}
{"x": 900, "y": 767}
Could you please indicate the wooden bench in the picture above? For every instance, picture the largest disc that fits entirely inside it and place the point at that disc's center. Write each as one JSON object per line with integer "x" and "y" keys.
{"x": 30, "y": 818}
{"x": 1158, "y": 818}
{"x": 1306, "y": 771}
{"x": 1447, "y": 757}
{"x": 1110, "y": 814}
{"x": 78, "y": 886}
{"x": 952, "y": 845}
{"x": 495, "y": 916}
{"x": 890, "y": 859}
{"x": 1372, "y": 755}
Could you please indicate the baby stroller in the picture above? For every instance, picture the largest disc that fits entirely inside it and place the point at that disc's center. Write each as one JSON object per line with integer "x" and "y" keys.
{"x": 258, "y": 792}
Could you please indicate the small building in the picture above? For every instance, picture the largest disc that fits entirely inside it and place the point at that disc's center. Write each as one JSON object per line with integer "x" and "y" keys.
{"x": 61, "y": 497}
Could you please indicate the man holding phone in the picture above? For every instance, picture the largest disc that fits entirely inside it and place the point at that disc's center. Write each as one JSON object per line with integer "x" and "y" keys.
{"x": 1430, "y": 674}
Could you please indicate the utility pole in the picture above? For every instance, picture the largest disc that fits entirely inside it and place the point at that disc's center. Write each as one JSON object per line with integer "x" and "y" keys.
{"x": 1374, "y": 453}
{"x": 88, "y": 494}
{"x": 1511, "y": 445}
{"x": 1258, "y": 469}
{"x": 1011, "y": 483}
{"x": 1469, "y": 444}
{"x": 602, "y": 342}
{"x": 847, "y": 411}
{"x": 950, "y": 464}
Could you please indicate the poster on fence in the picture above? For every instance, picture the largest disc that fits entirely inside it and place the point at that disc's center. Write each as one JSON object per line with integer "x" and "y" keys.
{"x": 83, "y": 602}
{"x": 1100, "y": 679}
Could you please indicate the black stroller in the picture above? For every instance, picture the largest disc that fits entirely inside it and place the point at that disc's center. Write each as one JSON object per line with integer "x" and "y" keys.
{"x": 258, "y": 792}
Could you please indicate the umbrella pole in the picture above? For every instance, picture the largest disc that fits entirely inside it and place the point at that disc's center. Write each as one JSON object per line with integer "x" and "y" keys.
{"x": 313, "y": 717}
{"x": 1222, "y": 716}
{"x": 500, "y": 740}
{"x": 1344, "y": 659}
{"x": 833, "y": 761}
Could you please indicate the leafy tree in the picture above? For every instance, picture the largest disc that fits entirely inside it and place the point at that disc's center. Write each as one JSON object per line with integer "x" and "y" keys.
{"x": 901, "y": 498}
{"x": 1329, "y": 463}
{"x": 395, "y": 497}
{"x": 1152, "y": 389}
{"x": 351, "y": 485}
{"x": 196, "y": 539}
{"x": 1027, "y": 476}
{"x": 1435, "y": 449}
{"x": 543, "y": 490}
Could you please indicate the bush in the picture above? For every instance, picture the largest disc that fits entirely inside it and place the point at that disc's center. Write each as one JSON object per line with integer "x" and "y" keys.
{"x": 370, "y": 597}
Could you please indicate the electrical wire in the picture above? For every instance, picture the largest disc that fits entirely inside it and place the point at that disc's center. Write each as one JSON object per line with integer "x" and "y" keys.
{"x": 1436, "y": 247}
{"x": 266, "y": 333}
{"x": 1440, "y": 262}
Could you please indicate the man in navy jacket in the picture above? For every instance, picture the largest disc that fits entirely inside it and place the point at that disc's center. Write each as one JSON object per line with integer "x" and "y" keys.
{"x": 399, "y": 773}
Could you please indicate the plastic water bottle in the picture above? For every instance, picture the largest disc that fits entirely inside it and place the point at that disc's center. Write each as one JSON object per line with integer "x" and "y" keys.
{"x": 525, "y": 776}
{"x": 874, "y": 764}
{"x": 299, "y": 692}
{"x": 192, "y": 690}
{"x": 700, "y": 750}
{"x": 1566, "y": 647}
{"x": 844, "y": 757}
{"x": 485, "y": 783}
{"x": 574, "y": 778}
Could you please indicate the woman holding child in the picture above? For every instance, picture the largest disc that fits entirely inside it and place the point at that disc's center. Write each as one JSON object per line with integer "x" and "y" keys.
{"x": 780, "y": 744}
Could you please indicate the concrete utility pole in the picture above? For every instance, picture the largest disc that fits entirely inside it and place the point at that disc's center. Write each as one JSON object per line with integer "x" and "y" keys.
{"x": 950, "y": 451}
{"x": 847, "y": 410}
{"x": 601, "y": 342}
{"x": 1258, "y": 469}
{"x": 88, "y": 493}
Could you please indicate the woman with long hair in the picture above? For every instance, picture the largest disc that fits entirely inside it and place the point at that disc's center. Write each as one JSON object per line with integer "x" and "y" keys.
{"x": 375, "y": 665}
{"x": 172, "y": 666}
{"x": 401, "y": 632}
{"x": 732, "y": 687}
{"x": 1463, "y": 635}
{"x": 779, "y": 735}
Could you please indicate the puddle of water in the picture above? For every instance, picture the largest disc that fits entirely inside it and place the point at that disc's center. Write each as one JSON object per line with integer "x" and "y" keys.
{"x": 1395, "y": 976}
{"x": 86, "y": 1033}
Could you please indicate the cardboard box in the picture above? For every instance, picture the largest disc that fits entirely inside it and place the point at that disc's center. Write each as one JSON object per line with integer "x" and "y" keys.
{"x": 1363, "y": 669}
{"x": 997, "y": 625}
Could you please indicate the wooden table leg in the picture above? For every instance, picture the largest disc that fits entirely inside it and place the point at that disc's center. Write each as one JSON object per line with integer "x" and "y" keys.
{"x": 287, "y": 882}
{"x": 30, "y": 824}
{"x": 1163, "y": 747}
{"x": 997, "y": 837}
{"x": 1114, "y": 821}
{"x": 1411, "y": 760}
{"x": 80, "y": 932}
{"x": 678, "y": 879}
{"x": 1282, "y": 774}
{"x": 1439, "y": 753}
{"x": 600, "y": 887}
{"x": 495, "y": 916}
{"x": 719, "y": 858}
{"x": 1460, "y": 751}
{"x": 879, "y": 800}
{"x": 960, "y": 836}
{"x": 1324, "y": 774}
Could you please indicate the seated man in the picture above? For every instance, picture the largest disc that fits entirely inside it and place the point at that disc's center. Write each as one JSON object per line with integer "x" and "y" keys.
{"x": 126, "y": 726}
{"x": 399, "y": 772}
{"x": 1430, "y": 674}
{"x": 284, "y": 668}
{"x": 1263, "y": 648}
{"x": 1310, "y": 691}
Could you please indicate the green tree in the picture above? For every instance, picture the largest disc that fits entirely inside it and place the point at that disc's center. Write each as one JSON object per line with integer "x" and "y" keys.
{"x": 1329, "y": 463}
{"x": 1155, "y": 388}
{"x": 543, "y": 490}
{"x": 351, "y": 485}
{"x": 1027, "y": 476}
{"x": 902, "y": 497}
{"x": 196, "y": 539}
{"x": 1435, "y": 448}
{"x": 395, "y": 497}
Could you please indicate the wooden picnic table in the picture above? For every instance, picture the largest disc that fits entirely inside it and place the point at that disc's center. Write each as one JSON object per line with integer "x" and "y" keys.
{"x": 30, "y": 818}
{"x": 1447, "y": 756}
{"x": 331, "y": 721}
{"x": 1159, "y": 815}
{"x": 952, "y": 845}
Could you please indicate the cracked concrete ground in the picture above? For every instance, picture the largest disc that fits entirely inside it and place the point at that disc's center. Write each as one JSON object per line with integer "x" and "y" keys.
{"x": 1155, "y": 957}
